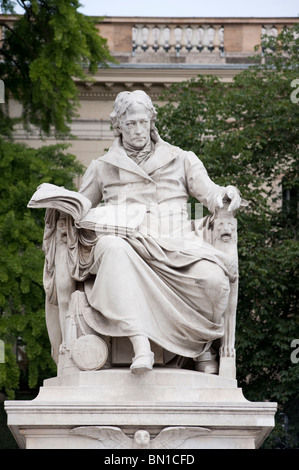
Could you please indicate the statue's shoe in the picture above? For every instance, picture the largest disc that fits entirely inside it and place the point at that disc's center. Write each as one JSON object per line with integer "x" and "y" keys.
{"x": 142, "y": 363}
{"x": 208, "y": 367}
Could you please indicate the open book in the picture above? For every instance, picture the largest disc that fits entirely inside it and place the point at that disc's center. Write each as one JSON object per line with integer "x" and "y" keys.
{"x": 122, "y": 219}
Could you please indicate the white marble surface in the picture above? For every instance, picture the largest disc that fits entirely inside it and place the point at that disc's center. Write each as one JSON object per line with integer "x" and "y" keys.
{"x": 167, "y": 274}
{"x": 74, "y": 411}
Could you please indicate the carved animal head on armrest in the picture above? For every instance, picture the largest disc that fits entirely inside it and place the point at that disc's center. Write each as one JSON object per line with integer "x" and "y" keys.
{"x": 224, "y": 229}
{"x": 224, "y": 226}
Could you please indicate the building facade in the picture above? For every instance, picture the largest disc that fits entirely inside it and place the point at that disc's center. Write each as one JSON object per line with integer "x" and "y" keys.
{"x": 152, "y": 54}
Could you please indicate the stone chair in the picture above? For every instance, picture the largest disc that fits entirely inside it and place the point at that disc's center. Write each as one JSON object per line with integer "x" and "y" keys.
{"x": 76, "y": 346}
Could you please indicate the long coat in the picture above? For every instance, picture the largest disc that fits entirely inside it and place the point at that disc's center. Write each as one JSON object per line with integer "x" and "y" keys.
{"x": 156, "y": 288}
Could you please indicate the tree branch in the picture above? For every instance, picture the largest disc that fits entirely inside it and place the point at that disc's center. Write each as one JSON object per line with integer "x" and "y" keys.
{"x": 22, "y": 4}
{"x": 20, "y": 39}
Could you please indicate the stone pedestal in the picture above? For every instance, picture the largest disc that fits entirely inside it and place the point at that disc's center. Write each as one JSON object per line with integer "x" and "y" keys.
{"x": 162, "y": 409}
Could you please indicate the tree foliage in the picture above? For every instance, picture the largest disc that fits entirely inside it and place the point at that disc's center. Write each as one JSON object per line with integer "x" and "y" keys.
{"x": 22, "y": 315}
{"x": 44, "y": 50}
{"x": 42, "y": 54}
{"x": 246, "y": 133}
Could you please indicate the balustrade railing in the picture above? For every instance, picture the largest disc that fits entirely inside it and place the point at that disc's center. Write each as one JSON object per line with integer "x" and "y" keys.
{"x": 268, "y": 30}
{"x": 183, "y": 38}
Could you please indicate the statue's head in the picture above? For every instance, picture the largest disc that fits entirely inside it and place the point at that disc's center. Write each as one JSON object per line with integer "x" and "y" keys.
{"x": 133, "y": 117}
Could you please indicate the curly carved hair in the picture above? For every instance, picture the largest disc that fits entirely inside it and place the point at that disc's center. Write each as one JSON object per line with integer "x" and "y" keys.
{"x": 124, "y": 100}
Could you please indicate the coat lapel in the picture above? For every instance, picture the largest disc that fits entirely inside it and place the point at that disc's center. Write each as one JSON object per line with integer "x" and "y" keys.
{"x": 162, "y": 155}
{"x": 117, "y": 156}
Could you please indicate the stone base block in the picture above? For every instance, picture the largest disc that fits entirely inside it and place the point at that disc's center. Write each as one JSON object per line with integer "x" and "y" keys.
{"x": 162, "y": 409}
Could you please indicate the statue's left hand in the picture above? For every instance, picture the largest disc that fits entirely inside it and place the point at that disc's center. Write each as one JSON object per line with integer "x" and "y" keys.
{"x": 233, "y": 194}
{"x": 235, "y": 199}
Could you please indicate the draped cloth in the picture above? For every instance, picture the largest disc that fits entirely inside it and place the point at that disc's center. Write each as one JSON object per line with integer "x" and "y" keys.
{"x": 169, "y": 288}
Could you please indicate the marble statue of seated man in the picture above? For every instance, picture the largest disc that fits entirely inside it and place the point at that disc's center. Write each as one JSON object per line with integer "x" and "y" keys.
{"x": 169, "y": 282}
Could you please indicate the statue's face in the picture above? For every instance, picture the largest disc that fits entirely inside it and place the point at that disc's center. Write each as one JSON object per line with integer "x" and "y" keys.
{"x": 135, "y": 126}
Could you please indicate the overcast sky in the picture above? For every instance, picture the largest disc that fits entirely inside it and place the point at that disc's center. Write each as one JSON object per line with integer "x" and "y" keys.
{"x": 190, "y": 8}
{"x": 197, "y": 8}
